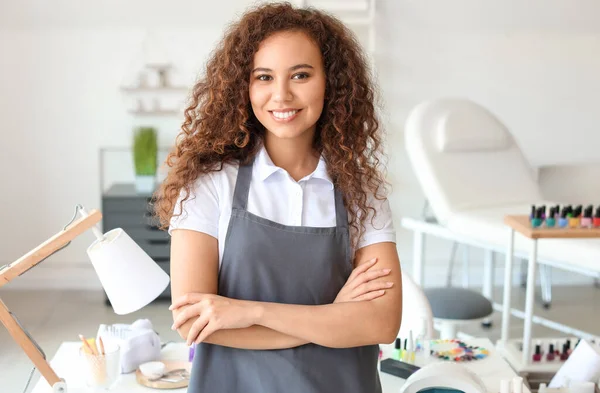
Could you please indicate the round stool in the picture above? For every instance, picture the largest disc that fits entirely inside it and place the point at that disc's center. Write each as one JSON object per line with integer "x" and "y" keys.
{"x": 452, "y": 307}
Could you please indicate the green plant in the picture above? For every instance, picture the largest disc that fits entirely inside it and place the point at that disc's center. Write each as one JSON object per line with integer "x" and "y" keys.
{"x": 145, "y": 150}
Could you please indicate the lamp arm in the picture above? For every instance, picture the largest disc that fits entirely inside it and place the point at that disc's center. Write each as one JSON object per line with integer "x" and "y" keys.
{"x": 26, "y": 262}
{"x": 47, "y": 248}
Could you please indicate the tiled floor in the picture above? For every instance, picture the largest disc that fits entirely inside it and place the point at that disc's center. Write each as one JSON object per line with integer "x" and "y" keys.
{"x": 56, "y": 316}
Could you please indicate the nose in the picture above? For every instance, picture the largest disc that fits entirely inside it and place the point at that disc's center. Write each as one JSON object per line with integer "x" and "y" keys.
{"x": 282, "y": 92}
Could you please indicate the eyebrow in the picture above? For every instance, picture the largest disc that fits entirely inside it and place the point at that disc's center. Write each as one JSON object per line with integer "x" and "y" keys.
{"x": 294, "y": 68}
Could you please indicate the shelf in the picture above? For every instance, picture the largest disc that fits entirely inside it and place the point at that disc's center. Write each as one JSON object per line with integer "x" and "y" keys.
{"x": 511, "y": 352}
{"x": 522, "y": 225}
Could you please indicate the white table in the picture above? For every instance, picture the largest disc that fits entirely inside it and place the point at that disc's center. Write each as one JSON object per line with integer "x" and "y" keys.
{"x": 491, "y": 370}
{"x": 521, "y": 360}
{"x": 509, "y": 349}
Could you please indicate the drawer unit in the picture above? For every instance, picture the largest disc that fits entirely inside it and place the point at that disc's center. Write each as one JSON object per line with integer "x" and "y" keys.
{"x": 123, "y": 208}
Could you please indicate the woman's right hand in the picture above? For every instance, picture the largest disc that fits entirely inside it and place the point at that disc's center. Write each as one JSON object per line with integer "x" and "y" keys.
{"x": 360, "y": 284}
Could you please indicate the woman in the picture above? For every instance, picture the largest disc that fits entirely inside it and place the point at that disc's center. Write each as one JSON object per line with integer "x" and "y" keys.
{"x": 283, "y": 260}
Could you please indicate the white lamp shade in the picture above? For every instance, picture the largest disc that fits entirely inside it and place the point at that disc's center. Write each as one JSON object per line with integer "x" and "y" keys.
{"x": 131, "y": 279}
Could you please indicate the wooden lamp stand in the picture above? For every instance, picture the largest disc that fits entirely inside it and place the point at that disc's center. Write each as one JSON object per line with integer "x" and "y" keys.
{"x": 23, "y": 264}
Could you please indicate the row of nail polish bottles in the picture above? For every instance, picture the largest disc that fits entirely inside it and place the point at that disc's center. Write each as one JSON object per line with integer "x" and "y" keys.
{"x": 553, "y": 353}
{"x": 568, "y": 216}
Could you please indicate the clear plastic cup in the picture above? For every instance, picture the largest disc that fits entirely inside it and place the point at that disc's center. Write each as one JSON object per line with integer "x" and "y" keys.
{"x": 101, "y": 371}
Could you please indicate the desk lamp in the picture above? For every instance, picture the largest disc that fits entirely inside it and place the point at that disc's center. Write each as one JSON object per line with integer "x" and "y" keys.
{"x": 130, "y": 278}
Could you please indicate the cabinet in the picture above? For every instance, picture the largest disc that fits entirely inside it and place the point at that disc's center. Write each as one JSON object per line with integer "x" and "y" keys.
{"x": 123, "y": 207}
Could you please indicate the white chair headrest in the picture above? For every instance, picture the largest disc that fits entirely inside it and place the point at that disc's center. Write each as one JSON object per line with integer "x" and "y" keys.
{"x": 465, "y": 129}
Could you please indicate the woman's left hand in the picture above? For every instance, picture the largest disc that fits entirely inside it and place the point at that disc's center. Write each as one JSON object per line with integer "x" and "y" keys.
{"x": 213, "y": 313}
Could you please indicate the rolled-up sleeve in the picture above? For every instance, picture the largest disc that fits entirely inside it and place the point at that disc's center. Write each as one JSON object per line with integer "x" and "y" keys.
{"x": 201, "y": 210}
{"x": 380, "y": 227}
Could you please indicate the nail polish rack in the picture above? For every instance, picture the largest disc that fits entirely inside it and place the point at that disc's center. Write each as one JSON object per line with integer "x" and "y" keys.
{"x": 565, "y": 217}
{"x": 542, "y": 360}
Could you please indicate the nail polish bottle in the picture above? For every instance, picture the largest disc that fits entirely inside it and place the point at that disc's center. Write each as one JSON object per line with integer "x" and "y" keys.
{"x": 532, "y": 214}
{"x": 537, "y": 356}
{"x": 575, "y": 219}
{"x": 543, "y": 209}
{"x": 556, "y": 212}
{"x": 569, "y": 210}
{"x": 596, "y": 221}
{"x": 565, "y": 354}
{"x": 405, "y": 351}
{"x": 586, "y": 220}
{"x": 397, "y": 345}
{"x": 192, "y": 352}
{"x": 410, "y": 357}
{"x": 563, "y": 221}
{"x": 551, "y": 220}
{"x": 550, "y": 355}
{"x": 537, "y": 218}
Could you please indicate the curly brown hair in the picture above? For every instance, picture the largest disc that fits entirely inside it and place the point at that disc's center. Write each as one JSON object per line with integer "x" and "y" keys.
{"x": 220, "y": 126}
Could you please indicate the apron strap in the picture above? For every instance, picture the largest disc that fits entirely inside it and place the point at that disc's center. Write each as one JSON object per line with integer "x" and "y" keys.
{"x": 242, "y": 186}
{"x": 341, "y": 215}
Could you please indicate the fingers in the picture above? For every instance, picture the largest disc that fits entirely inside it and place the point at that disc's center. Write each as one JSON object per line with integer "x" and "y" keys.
{"x": 369, "y": 276}
{"x": 370, "y": 287}
{"x": 209, "y": 329}
{"x": 362, "y": 268}
{"x": 185, "y": 315}
{"x": 195, "y": 329}
{"x": 188, "y": 298}
{"x": 370, "y": 295}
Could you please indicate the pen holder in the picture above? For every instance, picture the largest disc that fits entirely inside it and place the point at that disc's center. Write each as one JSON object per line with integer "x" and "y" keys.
{"x": 101, "y": 370}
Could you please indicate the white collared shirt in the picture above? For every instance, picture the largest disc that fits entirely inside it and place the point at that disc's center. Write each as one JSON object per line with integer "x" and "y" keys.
{"x": 276, "y": 196}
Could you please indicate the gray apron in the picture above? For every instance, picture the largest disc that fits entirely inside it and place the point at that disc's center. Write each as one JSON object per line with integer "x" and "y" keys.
{"x": 269, "y": 262}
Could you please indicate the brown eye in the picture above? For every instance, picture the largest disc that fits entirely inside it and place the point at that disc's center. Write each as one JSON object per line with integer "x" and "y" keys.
{"x": 264, "y": 78}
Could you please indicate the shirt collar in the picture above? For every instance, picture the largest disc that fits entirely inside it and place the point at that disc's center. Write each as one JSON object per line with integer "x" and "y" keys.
{"x": 264, "y": 168}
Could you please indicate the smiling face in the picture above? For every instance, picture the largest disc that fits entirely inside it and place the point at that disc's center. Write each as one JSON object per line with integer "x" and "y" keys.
{"x": 287, "y": 85}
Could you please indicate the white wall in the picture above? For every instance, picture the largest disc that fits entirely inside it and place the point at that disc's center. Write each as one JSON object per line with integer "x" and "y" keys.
{"x": 534, "y": 65}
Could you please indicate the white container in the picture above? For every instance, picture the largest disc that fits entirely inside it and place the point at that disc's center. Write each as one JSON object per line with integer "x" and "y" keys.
{"x": 153, "y": 370}
{"x": 145, "y": 184}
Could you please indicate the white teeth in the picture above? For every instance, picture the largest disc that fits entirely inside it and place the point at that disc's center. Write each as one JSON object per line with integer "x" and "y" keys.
{"x": 284, "y": 115}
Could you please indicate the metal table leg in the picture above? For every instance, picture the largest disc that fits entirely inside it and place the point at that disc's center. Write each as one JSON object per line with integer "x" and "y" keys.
{"x": 488, "y": 274}
{"x": 529, "y": 300}
{"x": 546, "y": 282}
{"x": 507, "y": 286}
{"x": 465, "y": 266}
{"x": 488, "y": 281}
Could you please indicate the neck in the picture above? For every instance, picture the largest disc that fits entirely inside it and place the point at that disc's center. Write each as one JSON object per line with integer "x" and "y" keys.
{"x": 296, "y": 156}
